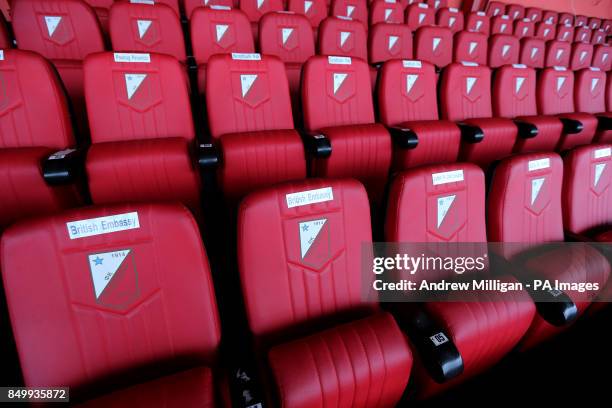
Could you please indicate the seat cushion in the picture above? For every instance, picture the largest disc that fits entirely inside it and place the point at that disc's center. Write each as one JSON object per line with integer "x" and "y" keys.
{"x": 365, "y": 363}
{"x": 549, "y": 133}
{"x": 252, "y": 160}
{"x": 143, "y": 170}
{"x": 439, "y": 142}
{"x": 499, "y": 139}
{"x": 359, "y": 151}
{"x": 191, "y": 388}
{"x": 23, "y": 191}
{"x": 584, "y": 137}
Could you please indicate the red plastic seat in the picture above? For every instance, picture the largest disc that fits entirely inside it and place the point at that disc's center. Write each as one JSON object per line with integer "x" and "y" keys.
{"x": 191, "y": 5}
{"x": 607, "y": 26}
{"x": 602, "y": 57}
{"x": 346, "y": 37}
{"x": 532, "y": 52}
{"x": 599, "y": 37}
{"x": 142, "y": 131}
{"x": 337, "y": 103}
{"x": 255, "y": 9}
{"x": 534, "y": 14}
{"x": 101, "y": 8}
{"x": 419, "y": 15}
{"x": 478, "y": 22}
{"x": 65, "y": 32}
{"x": 314, "y": 331}
{"x": 581, "y": 21}
{"x": 231, "y": 33}
{"x": 566, "y": 19}
{"x": 314, "y": 10}
{"x": 434, "y": 45}
{"x": 250, "y": 120}
{"x": 382, "y": 11}
{"x": 582, "y": 55}
{"x": 389, "y": 41}
{"x": 354, "y": 9}
{"x": 503, "y": 50}
{"x": 501, "y": 25}
{"x": 582, "y": 34}
{"x": 137, "y": 27}
{"x": 594, "y": 23}
{"x": 451, "y": 18}
{"x": 524, "y": 28}
{"x": 590, "y": 97}
{"x": 515, "y": 11}
{"x": 565, "y": 32}
{"x": 465, "y": 96}
{"x": 437, "y": 4}
{"x": 34, "y": 123}
{"x": 555, "y": 96}
{"x": 496, "y": 8}
{"x": 134, "y": 273}
{"x": 546, "y": 31}
{"x": 407, "y": 100}
{"x": 470, "y": 46}
{"x": 550, "y": 17}
{"x": 558, "y": 54}
{"x": 514, "y": 97}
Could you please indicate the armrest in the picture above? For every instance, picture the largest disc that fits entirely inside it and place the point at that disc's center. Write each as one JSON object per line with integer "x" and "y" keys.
{"x": 245, "y": 389}
{"x": 526, "y": 130}
{"x": 571, "y": 126}
{"x": 63, "y": 167}
{"x": 403, "y": 138}
{"x": 571, "y": 237}
{"x": 317, "y": 145}
{"x": 207, "y": 156}
{"x": 470, "y": 133}
{"x": 604, "y": 122}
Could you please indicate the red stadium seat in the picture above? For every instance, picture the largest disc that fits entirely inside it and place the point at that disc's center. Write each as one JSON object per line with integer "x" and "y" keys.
{"x": 550, "y": 17}
{"x": 581, "y": 21}
{"x": 354, "y": 9}
{"x": 602, "y": 57}
{"x": 565, "y": 32}
{"x": 437, "y": 4}
{"x": 532, "y": 52}
{"x": 496, "y": 8}
{"x": 599, "y": 37}
{"x": 419, "y": 15}
{"x": 465, "y": 96}
{"x": 503, "y": 50}
{"x": 142, "y": 131}
{"x": 566, "y": 19}
{"x": 407, "y": 100}
{"x": 34, "y": 123}
{"x": 255, "y": 9}
{"x": 134, "y": 273}
{"x": 191, "y": 5}
{"x": 232, "y": 33}
{"x": 434, "y": 45}
{"x": 382, "y": 11}
{"x": 313, "y": 331}
{"x": 478, "y": 22}
{"x": 594, "y": 23}
{"x": 250, "y": 120}
{"x": 546, "y": 31}
{"x": 514, "y": 97}
{"x": 337, "y": 103}
{"x": 582, "y": 55}
{"x": 101, "y": 8}
{"x": 346, "y": 37}
{"x": 558, "y": 54}
{"x": 534, "y": 14}
{"x": 583, "y": 34}
{"x": 515, "y": 11}
{"x": 471, "y": 47}
{"x": 5, "y": 41}
{"x": 555, "y": 96}
{"x": 314, "y": 10}
{"x": 590, "y": 97}
{"x": 146, "y": 28}
{"x": 524, "y": 28}
{"x": 389, "y": 41}
{"x": 607, "y": 26}
{"x": 501, "y": 25}
{"x": 452, "y": 18}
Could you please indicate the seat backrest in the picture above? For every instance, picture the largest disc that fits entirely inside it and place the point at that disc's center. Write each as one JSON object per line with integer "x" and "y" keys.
{"x": 33, "y": 108}
{"x": 496, "y": 8}
{"x": 389, "y": 41}
{"x": 470, "y": 46}
{"x": 602, "y": 57}
{"x": 532, "y": 52}
{"x": 136, "y": 97}
{"x": 565, "y": 33}
{"x": 555, "y": 91}
{"x": 590, "y": 90}
{"x": 478, "y": 22}
{"x": 355, "y": 9}
{"x": 191, "y": 5}
{"x": 582, "y": 34}
{"x": 550, "y": 17}
{"x": 452, "y": 18}
{"x": 434, "y": 44}
{"x": 339, "y": 36}
{"x": 382, "y": 11}
{"x": 515, "y": 11}
{"x": 219, "y": 31}
{"x": 599, "y": 37}
{"x": 514, "y": 91}
{"x": 587, "y": 188}
{"x": 524, "y": 28}
{"x": 524, "y": 201}
{"x": 255, "y": 9}
{"x": 558, "y": 54}
{"x": 594, "y": 23}
{"x": 607, "y": 26}
{"x": 105, "y": 282}
{"x": 60, "y": 29}
{"x": 503, "y": 50}
{"x": 336, "y": 91}
{"x": 314, "y": 233}
{"x": 581, "y": 21}
{"x": 419, "y": 15}
{"x": 582, "y": 55}
{"x": 314, "y": 10}
{"x": 566, "y": 18}
{"x": 137, "y": 27}
{"x": 441, "y": 203}
{"x": 287, "y": 36}
{"x": 250, "y": 93}
{"x": 501, "y": 25}
{"x": 465, "y": 92}
{"x": 407, "y": 92}
{"x": 534, "y": 14}
{"x": 437, "y": 4}
{"x": 546, "y": 31}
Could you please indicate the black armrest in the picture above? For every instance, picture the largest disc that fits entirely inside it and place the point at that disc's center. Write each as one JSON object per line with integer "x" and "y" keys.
{"x": 470, "y": 133}
{"x": 317, "y": 145}
{"x": 604, "y": 122}
{"x": 403, "y": 138}
{"x": 571, "y": 237}
{"x": 526, "y": 130}
{"x": 571, "y": 126}
{"x": 63, "y": 167}
{"x": 208, "y": 157}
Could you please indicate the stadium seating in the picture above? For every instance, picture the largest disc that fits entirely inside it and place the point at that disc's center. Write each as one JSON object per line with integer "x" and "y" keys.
{"x": 524, "y": 28}
{"x": 558, "y": 54}
{"x": 471, "y": 47}
{"x": 599, "y": 37}
{"x": 582, "y": 55}
{"x": 546, "y": 31}
{"x": 389, "y": 41}
{"x": 565, "y": 33}
{"x": 451, "y": 18}
{"x": 191, "y": 5}
{"x": 419, "y": 15}
{"x": 550, "y": 17}
{"x": 434, "y": 45}
{"x": 580, "y": 21}
{"x": 353, "y": 9}
{"x": 582, "y": 34}
{"x": 602, "y": 57}
{"x": 382, "y": 11}
{"x": 496, "y": 8}
{"x": 566, "y": 19}
{"x": 478, "y": 22}
{"x": 590, "y": 97}
{"x": 501, "y": 25}
{"x": 534, "y": 14}
{"x": 532, "y": 52}
{"x": 342, "y": 36}
{"x": 503, "y": 50}
{"x": 255, "y": 9}
{"x": 515, "y": 11}
{"x": 314, "y": 10}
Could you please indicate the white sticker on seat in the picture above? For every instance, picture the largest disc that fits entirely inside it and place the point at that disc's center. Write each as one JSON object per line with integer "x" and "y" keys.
{"x": 102, "y": 225}
{"x": 447, "y": 177}
{"x": 560, "y": 82}
{"x": 127, "y": 57}
{"x": 421, "y": 17}
{"x": 453, "y": 9}
{"x": 605, "y": 152}
{"x": 481, "y": 13}
{"x": 392, "y": 41}
{"x": 559, "y": 54}
{"x": 534, "y": 51}
{"x": 149, "y": 2}
{"x": 599, "y": 169}
{"x": 335, "y": 60}
{"x": 478, "y": 25}
{"x": 104, "y": 266}
{"x": 536, "y": 187}
{"x": 438, "y": 339}
{"x": 423, "y": 5}
{"x": 216, "y": 7}
{"x": 469, "y": 63}
{"x": 444, "y": 204}
{"x": 239, "y": 56}
{"x": 505, "y": 50}
{"x": 411, "y": 64}
{"x": 520, "y": 66}
{"x": 143, "y": 27}
{"x": 1, "y": 55}
{"x": 308, "y": 197}
{"x": 52, "y": 22}
{"x": 538, "y": 164}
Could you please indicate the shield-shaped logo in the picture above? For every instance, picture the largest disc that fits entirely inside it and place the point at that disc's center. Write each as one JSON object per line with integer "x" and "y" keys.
{"x": 393, "y": 44}
{"x": 251, "y": 88}
{"x": 315, "y": 247}
{"x": 289, "y": 38}
{"x": 413, "y": 89}
{"x": 57, "y": 29}
{"x": 445, "y": 214}
{"x": 469, "y": 90}
{"x": 520, "y": 90}
{"x": 346, "y": 40}
{"x": 223, "y": 34}
{"x": 146, "y": 32}
{"x": 537, "y": 196}
{"x": 341, "y": 85}
{"x": 138, "y": 90}
{"x": 561, "y": 87}
{"x": 114, "y": 278}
